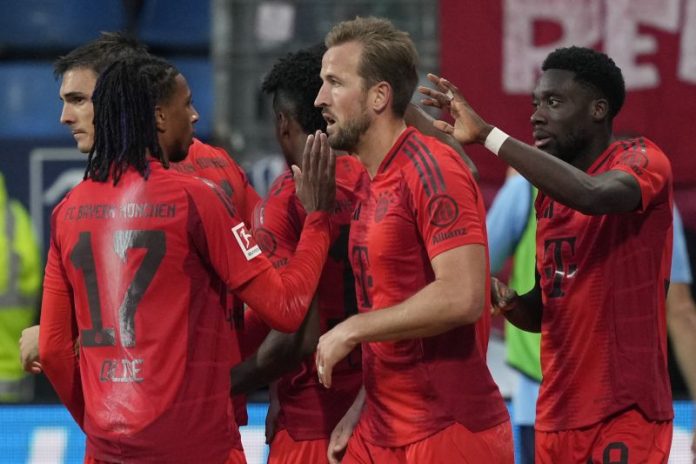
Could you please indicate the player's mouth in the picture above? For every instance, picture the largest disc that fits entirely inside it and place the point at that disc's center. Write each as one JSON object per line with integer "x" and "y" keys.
{"x": 541, "y": 139}
{"x": 77, "y": 133}
{"x": 330, "y": 121}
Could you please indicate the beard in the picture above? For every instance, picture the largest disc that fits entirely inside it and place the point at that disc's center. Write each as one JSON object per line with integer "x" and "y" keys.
{"x": 570, "y": 147}
{"x": 346, "y": 138}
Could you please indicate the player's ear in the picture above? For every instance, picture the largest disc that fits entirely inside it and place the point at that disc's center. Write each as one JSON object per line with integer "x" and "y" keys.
{"x": 283, "y": 123}
{"x": 160, "y": 119}
{"x": 381, "y": 96}
{"x": 600, "y": 109}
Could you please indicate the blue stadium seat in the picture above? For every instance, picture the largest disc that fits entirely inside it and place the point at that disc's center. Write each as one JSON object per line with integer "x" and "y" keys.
{"x": 184, "y": 23}
{"x": 57, "y": 24}
{"x": 199, "y": 74}
{"x": 30, "y": 106}
{"x": 29, "y": 102}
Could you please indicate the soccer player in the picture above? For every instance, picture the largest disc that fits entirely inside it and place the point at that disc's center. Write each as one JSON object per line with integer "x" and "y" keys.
{"x": 604, "y": 243}
{"x": 136, "y": 259}
{"x": 418, "y": 250}
{"x": 308, "y": 412}
{"x": 78, "y": 71}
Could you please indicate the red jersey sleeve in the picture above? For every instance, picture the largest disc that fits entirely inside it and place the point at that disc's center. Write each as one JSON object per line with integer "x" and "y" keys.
{"x": 447, "y": 202}
{"x": 647, "y": 164}
{"x": 245, "y": 198}
{"x": 277, "y": 220}
{"x": 59, "y": 332}
{"x": 281, "y": 299}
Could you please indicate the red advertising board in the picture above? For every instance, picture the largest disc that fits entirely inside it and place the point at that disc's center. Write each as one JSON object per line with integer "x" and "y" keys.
{"x": 492, "y": 50}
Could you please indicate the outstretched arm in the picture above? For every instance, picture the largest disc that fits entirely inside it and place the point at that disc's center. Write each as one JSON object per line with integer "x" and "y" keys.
{"x": 611, "y": 192}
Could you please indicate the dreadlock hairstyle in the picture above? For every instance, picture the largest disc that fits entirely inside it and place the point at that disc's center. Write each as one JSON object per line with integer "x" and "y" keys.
{"x": 294, "y": 83}
{"x": 98, "y": 54}
{"x": 125, "y": 129}
{"x": 594, "y": 70}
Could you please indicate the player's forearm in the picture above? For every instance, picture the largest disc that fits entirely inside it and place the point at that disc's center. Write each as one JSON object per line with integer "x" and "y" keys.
{"x": 569, "y": 185}
{"x": 437, "y": 308}
{"x": 526, "y": 312}
{"x": 282, "y": 298}
{"x": 278, "y": 354}
{"x": 359, "y": 401}
{"x": 681, "y": 322}
{"x": 57, "y": 352}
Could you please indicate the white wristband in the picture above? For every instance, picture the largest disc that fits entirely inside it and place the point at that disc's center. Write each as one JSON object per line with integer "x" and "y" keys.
{"x": 495, "y": 140}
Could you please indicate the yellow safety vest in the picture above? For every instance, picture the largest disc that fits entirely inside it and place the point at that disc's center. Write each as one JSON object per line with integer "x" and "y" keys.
{"x": 20, "y": 280}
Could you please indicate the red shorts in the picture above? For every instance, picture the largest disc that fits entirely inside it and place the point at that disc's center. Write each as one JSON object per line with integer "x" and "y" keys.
{"x": 621, "y": 439}
{"x": 453, "y": 444}
{"x": 236, "y": 457}
{"x": 285, "y": 450}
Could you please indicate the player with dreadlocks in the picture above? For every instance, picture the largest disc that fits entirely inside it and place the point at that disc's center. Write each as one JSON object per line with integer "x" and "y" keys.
{"x": 116, "y": 146}
{"x": 137, "y": 255}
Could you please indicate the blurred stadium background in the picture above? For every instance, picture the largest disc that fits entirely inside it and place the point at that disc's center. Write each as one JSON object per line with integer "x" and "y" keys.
{"x": 491, "y": 49}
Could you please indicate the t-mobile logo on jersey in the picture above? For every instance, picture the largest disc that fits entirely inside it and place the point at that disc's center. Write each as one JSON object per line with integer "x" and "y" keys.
{"x": 251, "y": 250}
{"x": 561, "y": 267}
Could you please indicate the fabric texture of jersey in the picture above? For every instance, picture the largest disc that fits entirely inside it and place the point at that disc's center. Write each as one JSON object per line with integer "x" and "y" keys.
{"x": 154, "y": 360}
{"x": 603, "y": 282}
{"x": 216, "y": 165}
{"x": 308, "y": 411}
{"x": 422, "y": 202}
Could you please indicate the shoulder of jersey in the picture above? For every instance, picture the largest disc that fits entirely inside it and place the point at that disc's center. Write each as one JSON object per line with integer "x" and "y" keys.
{"x": 283, "y": 185}
{"x": 198, "y": 148}
{"x": 349, "y": 170}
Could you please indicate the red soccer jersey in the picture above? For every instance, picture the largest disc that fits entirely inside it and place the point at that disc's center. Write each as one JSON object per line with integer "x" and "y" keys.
{"x": 603, "y": 281}
{"x": 216, "y": 165}
{"x": 142, "y": 264}
{"x": 422, "y": 202}
{"x": 308, "y": 410}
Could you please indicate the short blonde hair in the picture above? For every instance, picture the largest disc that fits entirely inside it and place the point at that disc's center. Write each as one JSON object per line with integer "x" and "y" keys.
{"x": 388, "y": 55}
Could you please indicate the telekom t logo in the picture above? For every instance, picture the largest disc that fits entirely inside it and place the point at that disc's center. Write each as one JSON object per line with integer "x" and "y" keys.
{"x": 561, "y": 267}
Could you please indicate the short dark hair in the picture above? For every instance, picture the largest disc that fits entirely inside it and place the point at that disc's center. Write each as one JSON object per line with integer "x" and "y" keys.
{"x": 593, "y": 69}
{"x": 294, "y": 83}
{"x": 98, "y": 54}
{"x": 125, "y": 128}
{"x": 388, "y": 54}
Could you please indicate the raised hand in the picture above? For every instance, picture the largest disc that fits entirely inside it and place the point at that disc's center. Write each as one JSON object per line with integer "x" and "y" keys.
{"x": 315, "y": 182}
{"x": 468, "y": 126}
